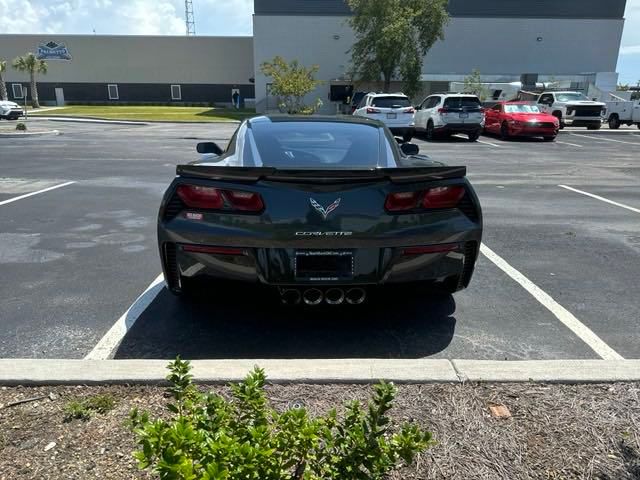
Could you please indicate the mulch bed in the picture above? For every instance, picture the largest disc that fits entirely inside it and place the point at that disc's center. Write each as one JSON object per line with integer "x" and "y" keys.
{"x": 545, "y": 431}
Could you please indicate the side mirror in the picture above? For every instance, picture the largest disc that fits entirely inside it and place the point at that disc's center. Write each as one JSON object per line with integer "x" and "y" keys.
{"x": 410, "y": 149}
{"x": 209, "y": 147}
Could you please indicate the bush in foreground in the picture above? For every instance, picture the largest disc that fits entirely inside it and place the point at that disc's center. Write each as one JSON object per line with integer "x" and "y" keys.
{"x": 21, "y": 127}
{"x": 208, "y": 437}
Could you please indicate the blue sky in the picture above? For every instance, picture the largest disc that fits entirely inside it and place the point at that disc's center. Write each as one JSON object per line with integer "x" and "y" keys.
{"x": 213, "y": 17}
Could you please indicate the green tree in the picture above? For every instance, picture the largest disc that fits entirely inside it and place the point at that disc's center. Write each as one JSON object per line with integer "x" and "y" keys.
{"x": 392, "y": 38}
{"x": 473, "y": 84}
{"x": 623, "y": 87}
{"x": 3, "y": 86}
{"x": 291, "y": 82}
{"x": 29, "y": 63}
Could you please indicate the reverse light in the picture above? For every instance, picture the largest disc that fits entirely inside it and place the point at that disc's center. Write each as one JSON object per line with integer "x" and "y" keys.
{"x": 434, "y": 198}
{"x": 214, "y": 250}
{"x": 452, "y": 247}
{"x": 373, "y": 110}
{"x": 209, "y": 198}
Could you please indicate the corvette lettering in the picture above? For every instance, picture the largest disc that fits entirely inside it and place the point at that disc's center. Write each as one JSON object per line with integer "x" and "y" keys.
{"x": 324, "y": 234}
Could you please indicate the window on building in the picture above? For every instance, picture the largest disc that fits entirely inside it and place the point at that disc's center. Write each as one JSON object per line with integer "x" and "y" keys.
{"x": 113, "y": 92}
{"x": 17, "y": 90}
{"x": 176, "y": 92}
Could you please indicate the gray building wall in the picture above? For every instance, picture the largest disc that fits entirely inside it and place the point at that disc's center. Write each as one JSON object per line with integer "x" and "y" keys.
{"x": 144, "y": 67}
{"x": 497, "y": 46}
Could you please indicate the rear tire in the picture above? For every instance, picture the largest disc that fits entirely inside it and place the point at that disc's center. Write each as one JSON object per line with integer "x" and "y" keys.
{"x": 473, "y": 137}
{"x": 407, "y": 137}
{"x": 430, "y": 131}
{"x": 638, "y": 125}
{"x": 594, "y": 127}
{"x": 549, "y": 139}
{"x": 614, "y": 122}
{"x": 504, "y": 131}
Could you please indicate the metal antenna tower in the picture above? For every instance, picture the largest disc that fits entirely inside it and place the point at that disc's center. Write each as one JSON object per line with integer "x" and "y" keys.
{"x": 189, "y": 17}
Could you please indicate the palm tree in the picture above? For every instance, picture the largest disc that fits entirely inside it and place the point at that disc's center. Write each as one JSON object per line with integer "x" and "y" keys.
{"x": 3, "y": 87}
{"x": 29, "y": 63}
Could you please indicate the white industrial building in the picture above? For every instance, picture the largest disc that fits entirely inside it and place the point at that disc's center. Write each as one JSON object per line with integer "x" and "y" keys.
{"x": 571, "y": 40}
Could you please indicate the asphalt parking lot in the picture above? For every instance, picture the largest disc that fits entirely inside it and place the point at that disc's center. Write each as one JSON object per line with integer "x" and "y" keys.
{"x": 558, "y": 278}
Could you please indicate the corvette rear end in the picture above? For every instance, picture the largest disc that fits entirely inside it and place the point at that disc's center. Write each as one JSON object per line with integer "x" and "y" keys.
{"x": 329, "y": 209}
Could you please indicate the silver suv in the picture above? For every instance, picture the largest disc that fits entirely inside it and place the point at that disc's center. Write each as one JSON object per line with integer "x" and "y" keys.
{"x": 450, "y": 113}
{"x": 392, "y": 109}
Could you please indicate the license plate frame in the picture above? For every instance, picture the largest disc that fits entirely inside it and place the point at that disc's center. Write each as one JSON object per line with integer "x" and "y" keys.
{"x": 392, "y": 116}
{"x": 324, "y": 265}
{"x": 464, "y": 115}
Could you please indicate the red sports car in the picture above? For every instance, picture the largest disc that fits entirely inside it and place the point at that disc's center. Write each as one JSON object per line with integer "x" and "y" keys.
{"x": 516, "y": 119}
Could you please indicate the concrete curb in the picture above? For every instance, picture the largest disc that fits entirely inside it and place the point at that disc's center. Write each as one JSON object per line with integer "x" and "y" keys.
{"x": 62, "y": 118}
{"x": 101, "y": 372}
{"x": 29, "y": 134}
{"x": 53, "y": 118}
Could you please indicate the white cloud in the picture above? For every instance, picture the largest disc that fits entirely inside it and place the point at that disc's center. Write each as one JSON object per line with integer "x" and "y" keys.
{"x": 133, "y": 17}
{"x": 630, "y": 50}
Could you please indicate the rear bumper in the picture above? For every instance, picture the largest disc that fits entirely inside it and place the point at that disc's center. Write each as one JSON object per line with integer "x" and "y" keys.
{"x": 277, "y": 266}
{"x": 526, "y": 131}
{"x": 459, "y": 128}
{"x": 582, "y": 121}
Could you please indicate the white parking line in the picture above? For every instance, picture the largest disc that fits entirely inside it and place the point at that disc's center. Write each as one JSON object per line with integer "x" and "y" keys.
{"x": 571, "y": 144}
{"x": 572, "y": 323}
{"x": 602, "y": 199}
{"x": 15, "y": 199}
{"x": 107, "y": 344}
{"x": 489, "y": 143}
{"x": 602, "y": 139}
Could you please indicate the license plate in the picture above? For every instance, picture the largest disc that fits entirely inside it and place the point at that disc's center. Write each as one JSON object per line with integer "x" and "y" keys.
{"x": 392, "y": 115}
{"x": 464, "y": 115}
{"x": 324, "y": 266}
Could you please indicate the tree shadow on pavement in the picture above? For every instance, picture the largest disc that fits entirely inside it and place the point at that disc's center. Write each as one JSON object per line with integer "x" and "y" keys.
{"x": 248, "y": 323}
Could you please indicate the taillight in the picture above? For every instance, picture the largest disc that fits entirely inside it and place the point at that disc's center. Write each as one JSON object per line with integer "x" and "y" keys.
{"x": 196, "y": 196}
{"x": 445, "y": 248}
{"x": 434, "y": 198}
{"x": 442, "y": 197}
{"x": 410, "y": 110}
{"x": 209, "y": 198}
{"x": 373, "y": 110}
{"x": 443, "y": 110}
{"x": 244, "y": 201}
{"x": 398, "y": 202}
{"x": 214, "y": 250}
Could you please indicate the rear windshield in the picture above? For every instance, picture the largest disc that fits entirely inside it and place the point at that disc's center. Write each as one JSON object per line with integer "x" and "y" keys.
{"x": 391, "y": 102}
{"x": 461, "y": 102}
{"x": 316, "y": 145}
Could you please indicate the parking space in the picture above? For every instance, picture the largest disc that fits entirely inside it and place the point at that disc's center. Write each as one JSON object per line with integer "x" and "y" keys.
{"x": 75, "y": 258}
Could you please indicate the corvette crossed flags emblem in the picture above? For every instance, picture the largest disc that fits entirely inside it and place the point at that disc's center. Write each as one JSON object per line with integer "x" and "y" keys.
{"x": 325, "y": 211}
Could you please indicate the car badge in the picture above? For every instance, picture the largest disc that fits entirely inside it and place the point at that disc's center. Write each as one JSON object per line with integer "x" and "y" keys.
{"x": 325, "y": 211}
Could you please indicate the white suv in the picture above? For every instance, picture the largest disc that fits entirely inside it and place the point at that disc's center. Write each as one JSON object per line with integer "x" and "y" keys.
{"x": 392, "y": 109}
{"x": 450, "y": 113}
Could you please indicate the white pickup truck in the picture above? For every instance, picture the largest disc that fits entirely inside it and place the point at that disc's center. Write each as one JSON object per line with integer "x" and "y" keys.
{"x": 573, "y": 109}
{"x": 623, "y": 112}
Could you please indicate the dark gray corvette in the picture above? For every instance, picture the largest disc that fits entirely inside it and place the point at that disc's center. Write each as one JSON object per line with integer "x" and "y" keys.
{"x": 323, "y": 209}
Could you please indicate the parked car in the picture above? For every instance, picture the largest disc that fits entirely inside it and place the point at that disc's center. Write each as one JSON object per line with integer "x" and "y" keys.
{"x": 322, "y": 210}
{"x": 392, "y": 109}
{"x": 10, "y": 110}
{"x": 520, "y": 119}
{"x": 623, "y": 113}
{"x": 450, "y": 113}
{"x": 573, "y": 109}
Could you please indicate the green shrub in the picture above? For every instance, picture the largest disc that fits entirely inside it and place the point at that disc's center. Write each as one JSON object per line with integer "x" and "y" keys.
{"x": 208, "y": 437}
{"x": 21, "y": 127}
{"x": 83, "y": 409}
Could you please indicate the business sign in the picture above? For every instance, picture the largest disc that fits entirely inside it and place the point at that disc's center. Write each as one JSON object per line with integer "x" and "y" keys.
{"x": 53, "y": 51}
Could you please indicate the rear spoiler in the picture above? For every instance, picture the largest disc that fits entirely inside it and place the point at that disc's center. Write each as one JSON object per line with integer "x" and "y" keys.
{"x": 254, "y": 174}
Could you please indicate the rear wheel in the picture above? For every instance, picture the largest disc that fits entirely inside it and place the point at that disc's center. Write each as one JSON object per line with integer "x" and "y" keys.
{"x": 407, "y": 137}
{"x": 549, "y": 139}
{"x": 504, "y": 131}
{"x": 614, "y": 122}
{"x": 473, "y": 137}
{"x": 638, "y": 125}
{"x": 595, "y": 126}
{"x": 430, "y": 130}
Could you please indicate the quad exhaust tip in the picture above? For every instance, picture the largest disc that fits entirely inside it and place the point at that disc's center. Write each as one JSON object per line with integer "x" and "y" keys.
{"x": 291, "y": 297}
{"x": 356, "y": 296}
{"x": 334, "y": 296}
{"x": 313, "y": 296}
